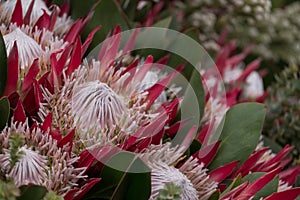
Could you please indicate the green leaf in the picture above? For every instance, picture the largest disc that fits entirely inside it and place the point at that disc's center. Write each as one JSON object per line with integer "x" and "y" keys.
{"x": 240, "y": 134}
{"x": 32, "y": 192}
{"x": 3, "y": 65}
{"x": 269, "y": 189}
{"x": 109, "y": 14}
{"x": 215, "y": 195}
{"x": 79, "y": 8}
{"x": 164, "y": 23}
{"x": 131, "y": 179}
{"x": 4, "y": 112}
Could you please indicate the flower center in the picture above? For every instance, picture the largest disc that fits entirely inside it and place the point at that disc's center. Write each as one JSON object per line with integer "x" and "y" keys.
{"x": 162, "y": 174}
{"x": 96, "y": 105}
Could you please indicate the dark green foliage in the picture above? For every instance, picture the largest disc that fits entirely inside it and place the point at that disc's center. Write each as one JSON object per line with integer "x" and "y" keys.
{"x": 282, "y": 121}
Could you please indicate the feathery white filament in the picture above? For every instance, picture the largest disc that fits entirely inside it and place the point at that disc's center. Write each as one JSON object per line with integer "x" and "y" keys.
{"x": 31, "y": 168}
{"x": 196, "y": 173}
{"x": 191, "y": 176}
{"x": 162, "y": 173}
{"x": 96, "y": 105}
{"x": 164, "y": 153}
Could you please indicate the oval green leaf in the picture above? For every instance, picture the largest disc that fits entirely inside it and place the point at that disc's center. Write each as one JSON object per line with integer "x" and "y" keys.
{"x": 240, "y": 134}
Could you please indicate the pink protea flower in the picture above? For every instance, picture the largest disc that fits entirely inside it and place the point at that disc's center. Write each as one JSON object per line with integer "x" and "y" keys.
{"x": 8, "y": 8}
{"x": 31, "y": 168}
{"x": 190, "y": 175}
{"x": 34, "y": 49}
{"x": 42, "y": 160}
{"x": 24, "y": 23}
{"x": 29, "y": 12}
{"x": 106, "y": 103}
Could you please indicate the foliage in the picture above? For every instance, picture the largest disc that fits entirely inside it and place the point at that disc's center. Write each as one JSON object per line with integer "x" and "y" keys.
{"x": 282, "y": 121}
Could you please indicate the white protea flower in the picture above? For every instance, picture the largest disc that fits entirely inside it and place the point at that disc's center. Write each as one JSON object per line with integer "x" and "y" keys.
{"x": 198, "y": 176}
{"x": 31, "y": 168}
{"x": 191, "y": 176}
{"x": 28, "y": 48}
{"x": 8, "y": 7}
{"x": 41, "y": 153}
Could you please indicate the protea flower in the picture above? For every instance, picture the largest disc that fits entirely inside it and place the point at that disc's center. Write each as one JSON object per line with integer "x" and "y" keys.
{"x": 242, "y": 83}
{"x": 33, "y": 49}
{"x": 190, "y": 176}
{"x": 32, "y": 26}
{"x": 114, "y": 100}
{"x": 38, "y": 160}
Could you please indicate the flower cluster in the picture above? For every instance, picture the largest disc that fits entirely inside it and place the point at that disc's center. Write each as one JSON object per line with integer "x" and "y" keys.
{"x": 68, "y": 123}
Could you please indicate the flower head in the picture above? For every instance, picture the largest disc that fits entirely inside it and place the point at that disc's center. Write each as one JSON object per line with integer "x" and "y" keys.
{"x": 96, "y": 103}
{"x": 190, "y": 176}
{"x": 30, "y": 168}
{"x": 162, "y": 173}
{"x": 107, "y": 100}
{"x": 40, "y": 160}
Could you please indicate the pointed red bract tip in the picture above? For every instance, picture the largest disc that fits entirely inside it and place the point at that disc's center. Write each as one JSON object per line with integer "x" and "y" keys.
{"x": 28, "y": 12}
{"x": 19, "y": 113}
{"x": 78, "y": 193}
{"x": 44, "y": 21}
{"x": 89, "y": 40}
{"x": 257, "y": 185}
{"x": 17, "y": 15}
{"x": 219, "y": 174}
{"x": 30, "y": 76}
{"x": 76, "y": 56}
{"x": 206, "y": 154}
{"x": 12, "y": 71}
{"x": 47, "y": 124}
{"x": 74, "y": 31}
